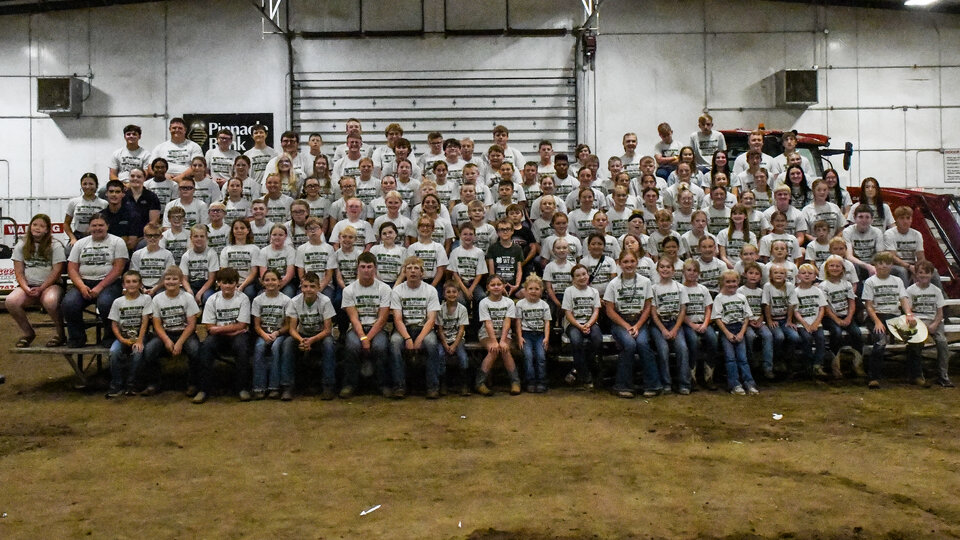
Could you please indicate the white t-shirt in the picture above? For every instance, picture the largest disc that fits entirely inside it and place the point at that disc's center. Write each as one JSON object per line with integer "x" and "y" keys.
{"x": 346, "y": 263}
{"x": 767, "y": 240}
{"x": 864, "y": 245}
{"x": 174, "y": 312}
{"x": 166, "y": 190}
{"x": 95, "y": 258}
{"x": 732, "y": 308}
{"x": 217, "y": 238}
{"x": 668, "y": 299}
{"x": 367, "y": 300}
{"x": 271, "y": 311}
{"x": 389, "y": 261}
{"x": 884, "y": 293}
{"x": 313, "y": 257}
{"x": 837, "y": 295}
{"x": 705, "y": 145}
{"x": 808, "y": 302}
{"x": 36, "y": 269}
{"x": 433, "y": 256}
{"x": 309, "y": 318}
{"x": 129, "y": 314}
{"x": 574, "y": 247}
{"x": 754, "y": 299}
{"x": 221, "y": 311}
{"x": 198, "y": 266}
{"x": 451, "y": 322}
{"x": 468, "y": 263}
{"x": 607, "y": 270}
{"x": 176, "y": 243}
{"x": 415, "y": 304}
{"x": 151, "y": 265}
{"x": 698, "y": 298}
{"x": 906, "y": 245}
{"x": 828, "y": 212}
{"x": 497, "y": 313}
{"x": 710, "y": 273}
{"x": 277, "y": 259}
{"x": 533, "y": 315}
{"x": 178, "y": 156}
{"x": 925, "y": 301}
{"x": 628, "y": 296}
{"x": 241, "y": 258}
{"x": 258, "y": 161}
{"x": 733, "y": 243}
{"x": 795, "y": 220}
{"x": 196, "y": 213}
{"x": 125, "y": 160}
{"x": 580, "y": 303}
{"x": 236, "y": 210}
{"x": 221, "y": 163}
{"x": 778, "y": 300}
{"x": 81, "y": 210}
{"x": 558, "y": 275}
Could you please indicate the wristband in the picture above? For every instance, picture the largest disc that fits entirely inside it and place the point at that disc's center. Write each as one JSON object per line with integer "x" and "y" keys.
{"x": 364, "y": 338}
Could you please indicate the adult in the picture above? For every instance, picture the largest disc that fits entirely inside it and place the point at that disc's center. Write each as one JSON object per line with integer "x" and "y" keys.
{"x": 178, "y": 151}
{"x": 130, "y": 156}
{"x": 145, "y": 202}
{"x": 260, "y": 154}
{"x": 123, "y": 220}
{"x": 221, "y": 157}
{"x": 706, "y": 141}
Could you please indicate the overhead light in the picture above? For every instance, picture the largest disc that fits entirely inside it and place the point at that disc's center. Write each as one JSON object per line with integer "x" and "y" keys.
{"x": 919, "y": 3}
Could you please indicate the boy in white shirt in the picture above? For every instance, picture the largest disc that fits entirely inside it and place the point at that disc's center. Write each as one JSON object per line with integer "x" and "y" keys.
{"x": 129, "y": 315}
{"x": 884, "y": 296}
{"x": 227, "y": 316}
{"x": 927, "y": 303}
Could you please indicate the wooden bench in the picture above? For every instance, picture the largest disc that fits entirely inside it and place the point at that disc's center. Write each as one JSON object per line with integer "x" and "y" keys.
{"x": 79, "y": 358}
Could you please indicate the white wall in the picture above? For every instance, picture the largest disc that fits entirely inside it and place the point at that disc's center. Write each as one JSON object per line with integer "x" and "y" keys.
{"x": 658, "y": 60}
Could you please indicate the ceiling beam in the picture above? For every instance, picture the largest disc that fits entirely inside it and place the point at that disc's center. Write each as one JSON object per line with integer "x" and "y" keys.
{"x": 8, "y": 7}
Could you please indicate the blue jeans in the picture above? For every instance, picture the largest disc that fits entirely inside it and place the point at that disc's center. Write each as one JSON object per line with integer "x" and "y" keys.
{"x": 251, "y": 291}
{"x": 463, "y": 362}
{"x": 272, "y": 368}
{"x": 154, "y": 349}
{"x": 197, "y": 285}
{"x": 238, "y": 345}
{"x": 694, "y": 339}
{"x": 808, "y": 340}
{"x": 74, "y": 303}
{"x": 785, "y": 339}
{"x": 379, "y": 345}
{"x": 736, "y": 357}
{"x": 125, "y": 365}
{"x": 429, "y": 345}
{"x": 854, "y": 337}
{"x": 585, "y": 348}
{"x": 535, "y": 357}
{"x": 663, "y": 355}
{"x": 629, "y": 346}
{"x": 875, "y": 361}
{"x": 766, "y": 342}
{"x": 328, "y": 361}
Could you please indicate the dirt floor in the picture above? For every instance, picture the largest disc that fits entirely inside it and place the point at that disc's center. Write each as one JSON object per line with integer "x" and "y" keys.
{"x": 843, "y": 462}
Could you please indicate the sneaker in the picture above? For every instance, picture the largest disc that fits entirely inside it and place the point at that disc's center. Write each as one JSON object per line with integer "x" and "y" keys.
{"x": 484, "y": 390}
{"x": 541, "y": 388}
{"x": 873, "y": 385}
{"x": 259, "y": 394}
{"x": 192, "y": 390}
{"x": 346, "y": 392}
{"x": 514, "y": 389}
{"x": 626, "y": 394}
{"x": 946, "y": 383}
{"x": 651, "y": 393}
{"x": 921, "y": 382}
{"x": 752, "y": 389}
{"x": 818, "y": 372}
{"x": 684, "y": 391}
{"x": 386, "y": 392}
{"x": 465, "y": 390}
{"x": 113, "y": 394}
{"x": 327, "y": 394}
{"x": 709, "y": 385}
{"x": 585, "y": 387}
{"x": 150, "y": 390}
{"x": 768, "y": 374}
{"x": 274, "y": 394}
{"x": 858, "y": 363}
{"x": 531, "y": 389}
{"x": 433, "y": 394}
{"x": 399, "y": 393}
{"x": 287, "y": 394}
{"x": 738, "y": 390}
{"x": 667, "y": 390}
{"x": 199, "y": 398}
{"x": 245, "y": 395}
{"x": 130, "y": 392}
{"x": 571, "y": 377}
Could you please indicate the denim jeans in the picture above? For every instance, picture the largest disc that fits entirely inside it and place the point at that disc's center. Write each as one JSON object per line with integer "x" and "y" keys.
{"x": 73, "y": 304}
{"x": 238, "y": 345}
{"x": 154, "y": 349}
{"x": 328, "y": 362}
{"x": 272, "y": 368}
{"x": 398, "y": 366}
{"x": 914, "y": 358}
{"x": 766, "y": 343}
{"x": 379, "y": 345}
{"x": 736, "y": 358}
{"x": 125, "y": 365}
{"x": 535, "y": 357}
{"x": 463, "y": 362}
{"x": 197, "y": 285}
{"x": 663, "y": 355}
{"x": 854, "y": 337}
{"x": 814, "y": 340}
{"x": 785, "y": 339}
{"x": 694, "y": 341}
{"x": 629, "y": 346}
{"x": 875, "y": 360}
{"x": 585, "y": 348}
{"x": 251, "y": 291}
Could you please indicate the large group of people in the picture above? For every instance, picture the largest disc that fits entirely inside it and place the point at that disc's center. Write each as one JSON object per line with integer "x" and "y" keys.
{"x": 300, "y": 263}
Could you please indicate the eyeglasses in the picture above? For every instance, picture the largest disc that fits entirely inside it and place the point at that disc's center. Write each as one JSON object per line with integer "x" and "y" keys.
{"x": 216, "y": 210}
{"x": 187, "y": 188}
{"x": 153, "y": 235}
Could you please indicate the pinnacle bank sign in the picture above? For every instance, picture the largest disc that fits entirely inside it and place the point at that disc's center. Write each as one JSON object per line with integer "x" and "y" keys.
{"x": 202, "y": 129}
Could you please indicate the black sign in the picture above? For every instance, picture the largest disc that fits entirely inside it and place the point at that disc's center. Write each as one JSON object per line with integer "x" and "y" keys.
{"x": 202, "y": 129}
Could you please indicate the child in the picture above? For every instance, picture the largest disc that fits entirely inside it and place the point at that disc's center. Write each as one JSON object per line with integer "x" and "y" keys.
{"x": 271, "y": 329}
{"x": 557, "y": 274}
{"x": 314, "y": 255}
{"x": 199, "y": 265}
{"x": 366, "y": 302}
{"x": 754, "y": 216}
{"x": 778, "y": 251}
{"x": 838, "y": 247}
{"x": 227, "y": 317}
{"x": 152, "y": 260}
{"x": 505, "y": 259}
{"x": 453, "y": 322}
{"x": 884, "y": 296}
{"x": 389, "y": 255}
{"x": 574, "y": 246}
{"x": 581, "y": 218}
{"x": 905, "y": 244}
{"x": 823, "y": 210}
{"x": 865, "y": 241}
{"x": 778, "y": 222}
{"x": 310, "y": 319}
{"x": 176, "y": 239}
{"x": 627, "y": 302}
{"x": 486, "y": 233}
{"x": 415, "y": 305}
{"x": 808, "y": 314}
{"x": 581, "y": 308}
{"x": 217, "y": 232}
{"x": 601, "y": 224}
{"x": 496, "y": 315}
{"x": 432, "y": 254}
{"x": 818, "y": 249}
{"x": 354, "y": 218}
{"x": 778, "y": 313}
{"x": 38, "y": 263}
{"x": 243, "y": 256}
{"x": 710, "y": 266}
{"x": 731, "y": 310}
{"x": 280, "y": 256}
{"x": 718, "y": 213}
{"x": 602, "y": 268}
{"x": 174, "y": 323}
{"x": 732, "y": 238}
{"x": 81, "y": 209}
{"x": 752, "y": 290}
{"x": 669, "y": 248}
{"x": 927, "y": 305}
{"x": 683, "y": 215}
{"x": 194, "y": 210}
{"x": 498, "y": 210}
{"x": 237, "y": 207}
{"x": 467, "y": 266}
{"x": 543, "y": 225}
{"x": 533, "y": 333}
{"x": 670, "y": 309}
{"x": 260, "y": 226}
{"x": 696, "y": 324}
{"x": 297, "y": 226}
{"x": 690, "y": 240}
{"x": 394, "y": 205}
{"x": 750, "y": 254}
{"x": 620, "y": 209}
{"x": 839, "y": 315}
{"x": 130, "y": 314}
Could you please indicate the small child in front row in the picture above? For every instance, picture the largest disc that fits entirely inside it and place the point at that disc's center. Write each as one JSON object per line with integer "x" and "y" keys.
{"x": 581, "y": 308}
{"x": 927, "y": 302}
{"x": 839, "y": 315}
{"x": 271, "y": 368}
{"x": 310, "y": 319}
{"x": 670, "y": 309}
{"x": 778, "y": 312}
{"x": 452, "y": 325}
{"x": 884, "y": 296}
{"x": 533, "y": 333}
{"x": 227, "y": 317}
{"x": 730, "y": 311}
{"x": 174, "y": 324}
{"x": 496, "y": 314}
{"x": 130, "y": 314}
{"x": 199, "y": 265}
{"x": 556, "y": 275}
{"x": 808, "y": 314}
{"x": 697, "y": 331}
{"x": 152, "y": 260}
{"x": 752, "y": 290}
